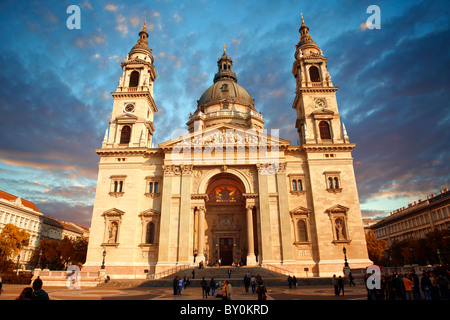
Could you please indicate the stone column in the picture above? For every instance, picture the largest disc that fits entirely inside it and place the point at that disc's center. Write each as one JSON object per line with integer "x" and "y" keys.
{"x": 264, "y": 215}
{"x": 201, "y": 235}
{"x": 284, "y": 216}
{"x": 164, "y": 227}
{"x": 184, "y": 254}
{"x": 251, "y": 259}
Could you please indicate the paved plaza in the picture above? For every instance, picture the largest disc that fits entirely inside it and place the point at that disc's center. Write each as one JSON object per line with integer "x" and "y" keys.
{"x": 11, "y": 292}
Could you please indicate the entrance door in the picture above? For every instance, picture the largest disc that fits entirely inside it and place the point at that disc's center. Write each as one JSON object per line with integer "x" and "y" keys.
{"x": 226, "y": 250}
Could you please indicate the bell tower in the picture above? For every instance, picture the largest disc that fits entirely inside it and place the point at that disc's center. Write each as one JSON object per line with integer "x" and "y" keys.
{"x": 318, "y": 119}
{"x": 131, "y": 123}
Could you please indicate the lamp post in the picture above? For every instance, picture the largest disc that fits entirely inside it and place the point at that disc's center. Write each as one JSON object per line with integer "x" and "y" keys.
{"x": 17, "y": 268}
{"x": 345, "y": 257}
{"x": 39, "y": 261}
{"x": 103, "y": 263}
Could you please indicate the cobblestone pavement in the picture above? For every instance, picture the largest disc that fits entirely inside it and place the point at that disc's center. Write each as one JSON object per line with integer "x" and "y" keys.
{"x": 11, "y": 292}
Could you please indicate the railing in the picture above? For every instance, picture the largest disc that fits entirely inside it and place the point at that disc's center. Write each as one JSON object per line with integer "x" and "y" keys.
{"x": 168, "y": 272}
{"x": 277, "y": 269}
{"x": 233, "y": 114}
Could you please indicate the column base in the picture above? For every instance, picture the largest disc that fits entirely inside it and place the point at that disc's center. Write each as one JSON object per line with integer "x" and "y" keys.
{"x": 251, "y": 260}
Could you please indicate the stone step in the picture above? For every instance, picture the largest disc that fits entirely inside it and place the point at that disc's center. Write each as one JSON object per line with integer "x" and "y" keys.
{"x": 220, "y": 274}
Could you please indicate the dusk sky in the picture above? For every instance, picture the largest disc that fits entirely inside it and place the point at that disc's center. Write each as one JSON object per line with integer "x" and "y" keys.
{"x": 56, "y": 84}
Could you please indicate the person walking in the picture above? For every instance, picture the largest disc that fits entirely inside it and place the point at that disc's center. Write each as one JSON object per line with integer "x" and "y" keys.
{"x": 294, "y": 282}
{"x": 180, "y": 285}
{"x": 229, "y": 290}
{"x": 213, "y": 285}
{"x": 175, "y": 285}
{"x": 334, "y": 282}
{"x": 350, "y": 278}
{"x": 193, "y": 273}
{"x": 261, "y": 292}
{"x": 204, "y": 284}
{"x": 253, "y": 284}
{"x": 229, "y": 273}
{"x": 38, "y": 292}
{"x": 425, "y": 285}
{"x": 408, "y": 283}
{"x": 246, "y": 282}
{"x": 289, "y": 281}
{"x": 340, "y": 285}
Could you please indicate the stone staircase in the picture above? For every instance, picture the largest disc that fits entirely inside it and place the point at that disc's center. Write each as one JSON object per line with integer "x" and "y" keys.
{"x": 220, "y": 274}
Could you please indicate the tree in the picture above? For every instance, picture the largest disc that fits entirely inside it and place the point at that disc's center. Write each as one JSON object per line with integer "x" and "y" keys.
{"x": 12, "y": 240}
{"x": 375, "y": 247}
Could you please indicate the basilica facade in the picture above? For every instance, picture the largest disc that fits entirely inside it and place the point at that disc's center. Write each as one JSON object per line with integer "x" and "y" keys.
{"x": 226, "y": 189}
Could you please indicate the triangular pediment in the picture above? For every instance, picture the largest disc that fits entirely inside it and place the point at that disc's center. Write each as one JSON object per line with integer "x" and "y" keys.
{"x": 226, "y": 135}
{"x": 337, "y": 209}
{"x": 323, "y": 111}
{"x": 300, "y": 210}
{"x": 126, "y": 116}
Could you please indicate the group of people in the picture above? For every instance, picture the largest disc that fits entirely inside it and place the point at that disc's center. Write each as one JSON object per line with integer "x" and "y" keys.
{"x": 410, "y": 287}
{"x": 35, "y": 292}
{"x": 292, "y": 281}
{"x": 339, "y": 285}
{"x": 179, "y": 284}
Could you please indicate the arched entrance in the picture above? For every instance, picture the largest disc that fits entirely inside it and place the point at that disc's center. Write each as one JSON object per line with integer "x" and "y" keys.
{"x": 226, "y": 223}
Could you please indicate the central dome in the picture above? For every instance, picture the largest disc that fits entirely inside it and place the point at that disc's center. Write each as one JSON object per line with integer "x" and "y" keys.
{"x": 226, "y": 89}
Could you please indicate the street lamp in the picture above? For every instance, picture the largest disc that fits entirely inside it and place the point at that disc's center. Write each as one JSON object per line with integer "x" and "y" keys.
{"x": 39, "y": 261}
{"x": 103, "y": 263}
{"x": 345, "y": 257}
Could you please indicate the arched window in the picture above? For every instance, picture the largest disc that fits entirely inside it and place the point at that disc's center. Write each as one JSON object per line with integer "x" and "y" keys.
{"x": 151, "y": 187}
{"x": 115, "y": 186}
{"x": 294, "y": 185}
{"x": 330, "y": 183}
{"x": 302, "y": 231}
{"x": 156, "y": 187}
{"x": 125, "y": 135}
{"x": 336, "y": 183}
{"x": 150, "y": 233}
{"x": 299, "y": 184}
{"x": 314, "y": 74}
{"x": 324, "y": 129}
{"x": 134, "y": 79}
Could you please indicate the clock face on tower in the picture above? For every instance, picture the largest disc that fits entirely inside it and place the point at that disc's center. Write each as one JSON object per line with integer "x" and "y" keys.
{"x": 129, "y": 108}
{"x": 319, "y": 103}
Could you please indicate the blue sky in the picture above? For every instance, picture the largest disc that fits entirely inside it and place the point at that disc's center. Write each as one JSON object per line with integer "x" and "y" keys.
{"x": 55, "y": 86}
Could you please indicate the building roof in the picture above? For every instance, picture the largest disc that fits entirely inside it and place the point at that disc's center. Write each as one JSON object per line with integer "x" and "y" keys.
{"x": 412, "y": 208}
{"x": 12, "y": 198}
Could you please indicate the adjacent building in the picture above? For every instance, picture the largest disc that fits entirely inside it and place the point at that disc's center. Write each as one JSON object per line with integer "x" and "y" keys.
{"x": 416, "y": 220}
{"x": 26, "y": 215}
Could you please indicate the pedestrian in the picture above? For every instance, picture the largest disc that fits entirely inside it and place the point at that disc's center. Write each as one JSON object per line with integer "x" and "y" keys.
{"x": 294, "y": 281}
{"x": 204, "y": 284}
{"x": 335, "y": 284}
{"x": 229, "y": 290}
{"x": 350, "y": 277}
{"x": 38, "y": 292}
{"x": 26, "y": 294}
{"x": 175, "y": 285}
{"x": 213, "y": 285}
{"x": 340, "y": 285}
{"x": 443, "y": 287}
{"x": 229, "y": 273}
{"x": 246, "y": 282}
{"x": 180, "y": 285}
{"x": 434, "y": 287}
{"x": 224, "y": 290}
{"x": 261, "y": 292}
{"x": 425, "y": 285}
{"x": 408, "y": 283}
{"x": 253, "y": 284}
{"x": 416, "y": 285}
{"x": 193, "y": 273}
{"x": 289, "y": 281}
{"x": 1, "y": 285}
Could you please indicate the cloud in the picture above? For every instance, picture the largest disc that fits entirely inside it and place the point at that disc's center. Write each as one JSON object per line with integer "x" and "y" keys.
{"x": 111, "y": 7}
